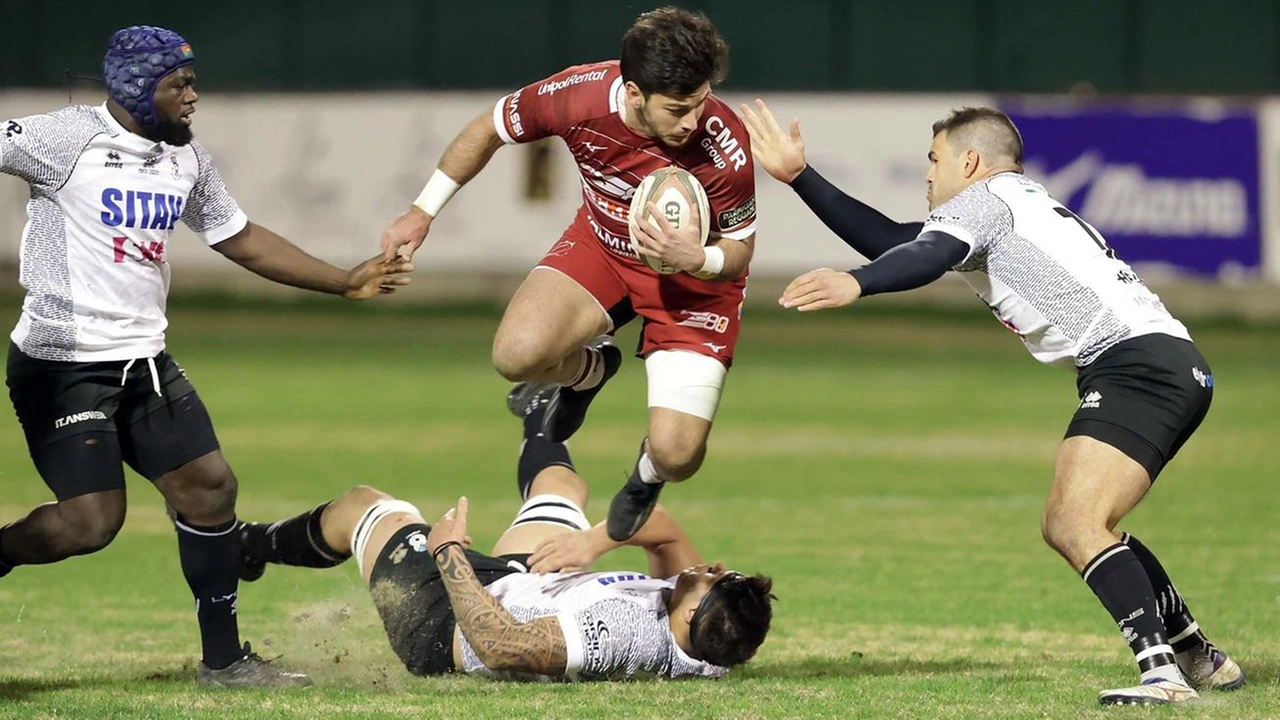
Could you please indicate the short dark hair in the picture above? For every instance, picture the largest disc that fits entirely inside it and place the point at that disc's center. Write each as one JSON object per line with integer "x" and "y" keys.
{"x": 673, "y": 51}
{"x": 732, "y": 620}
{"x": 986, "y": 128}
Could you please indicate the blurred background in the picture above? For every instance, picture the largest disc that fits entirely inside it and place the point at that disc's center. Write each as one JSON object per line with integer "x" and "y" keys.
{"x": 1151, "y": 118}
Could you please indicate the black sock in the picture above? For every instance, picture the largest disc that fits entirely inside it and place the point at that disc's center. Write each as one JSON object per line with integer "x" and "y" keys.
{"x": 1183, "y": 630}
{"x": 1116, "y": 576}
{"x": 537, "y": 453}
{"x": 209, "y": 558}
{"x": 5, "y": 565}
{"x": 297, "y": 541}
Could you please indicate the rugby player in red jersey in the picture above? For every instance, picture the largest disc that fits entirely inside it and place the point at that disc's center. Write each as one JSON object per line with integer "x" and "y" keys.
{"x": 622, "y": 120}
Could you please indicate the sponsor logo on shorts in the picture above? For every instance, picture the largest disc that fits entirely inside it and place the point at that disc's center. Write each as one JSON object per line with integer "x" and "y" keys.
{"x": 704, "y": 320}
{"x": 1205, "y": 379}
{"x": 1091, "y": 401}
{"x": 561, "y": 248}
{"x": 79, "y": 417}
{"x": 417, "y": 542}
{"x": 738, "y": 215}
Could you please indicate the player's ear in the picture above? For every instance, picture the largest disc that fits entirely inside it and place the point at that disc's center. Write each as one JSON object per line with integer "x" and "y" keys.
{"x": 971, "y": 162}
{"x": 635, "y": 97}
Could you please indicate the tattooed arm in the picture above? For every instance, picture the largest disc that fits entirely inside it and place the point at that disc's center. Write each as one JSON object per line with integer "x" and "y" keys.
{"x": 500, "y": 641}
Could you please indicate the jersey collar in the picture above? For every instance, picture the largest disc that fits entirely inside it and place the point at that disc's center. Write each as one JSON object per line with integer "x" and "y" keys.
{"x": 119, "y": 131}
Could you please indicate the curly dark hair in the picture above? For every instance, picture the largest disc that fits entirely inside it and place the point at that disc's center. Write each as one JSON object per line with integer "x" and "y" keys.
{"x": 732, "y": 620}
{"x": 673, "y": 51}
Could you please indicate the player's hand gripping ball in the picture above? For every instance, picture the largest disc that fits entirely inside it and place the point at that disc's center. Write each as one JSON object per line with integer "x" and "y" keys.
{"x": 675, "y": 192}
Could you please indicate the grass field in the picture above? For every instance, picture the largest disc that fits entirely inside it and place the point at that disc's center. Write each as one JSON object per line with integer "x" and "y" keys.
{"x": 887, "y": 469}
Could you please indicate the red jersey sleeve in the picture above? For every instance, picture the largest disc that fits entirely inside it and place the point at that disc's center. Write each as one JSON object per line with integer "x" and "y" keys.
{"x": 554, "y": 105}
{"x": 731, "y": 178}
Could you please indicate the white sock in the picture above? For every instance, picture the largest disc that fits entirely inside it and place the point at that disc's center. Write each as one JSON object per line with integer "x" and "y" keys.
{"x": 591, "y": 370}
{"x": 648, "y": 473}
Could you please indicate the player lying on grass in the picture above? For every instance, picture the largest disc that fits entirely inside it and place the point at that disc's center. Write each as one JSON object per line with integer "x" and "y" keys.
{"x": 530, "y": 610}
{"x": 1049, "y": 277}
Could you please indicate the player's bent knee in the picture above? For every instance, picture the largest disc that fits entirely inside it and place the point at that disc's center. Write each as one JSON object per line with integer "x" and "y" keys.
{"x": 677, "y": 456}
{"x": 553, "y": 510}
{"x": 362, "y": 496}
{"x": 516, "y": 359}
{"x": 685, "y": 381}
{"x": 88, "y": 527}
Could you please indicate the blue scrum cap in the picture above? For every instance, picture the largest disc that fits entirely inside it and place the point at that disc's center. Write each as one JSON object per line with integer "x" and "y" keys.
{"x": 137, "y": 58}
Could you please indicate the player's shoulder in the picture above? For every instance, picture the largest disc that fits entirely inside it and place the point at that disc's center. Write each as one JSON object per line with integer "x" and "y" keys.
{"x": 73, "y": 119}
{"x": 724, "y": 114}
{"x": 984, "y": 198}
{"x": 591, "y": 80}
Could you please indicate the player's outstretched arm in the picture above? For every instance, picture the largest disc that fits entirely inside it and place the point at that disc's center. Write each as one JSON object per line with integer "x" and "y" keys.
{"x": 265, "y": 253}
{"x": 501, "y": 642}
{"x": 465, "y": 157}
{"x": 906, "y": 267}
{"x": 662, "y": 538}
{"x": 781, "y": 154}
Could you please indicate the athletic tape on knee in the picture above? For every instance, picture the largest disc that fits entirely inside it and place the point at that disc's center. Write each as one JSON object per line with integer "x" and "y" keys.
{"x": 685, "y": 381}
{"x": 553, "y": 509}
{"x": 376, "y": 513}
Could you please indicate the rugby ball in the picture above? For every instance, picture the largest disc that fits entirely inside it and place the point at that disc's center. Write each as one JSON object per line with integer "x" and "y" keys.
{"x": 674, "y": 191}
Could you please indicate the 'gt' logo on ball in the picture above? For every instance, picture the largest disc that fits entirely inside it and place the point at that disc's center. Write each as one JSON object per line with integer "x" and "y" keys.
{"x": 671, "y": 210}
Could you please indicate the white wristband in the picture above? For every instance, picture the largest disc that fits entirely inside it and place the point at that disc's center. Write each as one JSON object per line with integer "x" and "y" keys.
{"x": 437, "y": 192}
{"x": 714, "y": 263}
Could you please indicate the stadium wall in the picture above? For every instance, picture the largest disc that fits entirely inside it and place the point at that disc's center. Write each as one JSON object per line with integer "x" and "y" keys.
{"x": 1178, "y": 186}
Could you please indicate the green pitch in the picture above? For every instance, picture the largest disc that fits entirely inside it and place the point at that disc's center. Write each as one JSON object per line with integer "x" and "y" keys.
{"x": 886, "y": 468}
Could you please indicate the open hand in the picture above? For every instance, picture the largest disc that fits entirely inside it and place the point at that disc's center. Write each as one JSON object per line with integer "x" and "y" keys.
{"x": 377, "y": 276}
{"x": 567, "y": 551}
{"x": 821, "y": 289}
{"x": 781, "y": 154}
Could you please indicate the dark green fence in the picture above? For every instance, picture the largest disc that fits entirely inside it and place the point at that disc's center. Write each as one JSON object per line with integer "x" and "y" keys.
{"x": 1146, "y": 46}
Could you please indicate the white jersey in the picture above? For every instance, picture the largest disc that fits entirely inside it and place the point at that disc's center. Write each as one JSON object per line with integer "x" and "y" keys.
{"x": 103, "y": 206}
{"x": 1046, "y": 274}
{"x": 615, "y": 625}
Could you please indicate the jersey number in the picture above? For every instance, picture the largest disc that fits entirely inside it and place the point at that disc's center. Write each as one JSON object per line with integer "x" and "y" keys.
{"x": 151, "y": 252}
{"x": 1088, "y": 231}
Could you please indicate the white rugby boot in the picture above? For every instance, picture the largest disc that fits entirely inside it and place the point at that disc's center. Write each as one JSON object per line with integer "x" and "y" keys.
{"x": 1156, "y": 691}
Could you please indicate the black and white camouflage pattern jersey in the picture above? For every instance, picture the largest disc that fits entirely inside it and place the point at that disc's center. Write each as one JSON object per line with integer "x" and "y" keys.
{"x": 104, "y": 203}
{"x": 615, "y": 625}
{"x": 1046, "y": 274}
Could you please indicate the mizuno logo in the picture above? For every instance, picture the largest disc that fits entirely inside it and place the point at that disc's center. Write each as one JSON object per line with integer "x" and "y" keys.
{"x": 593, "y": 148}
{"x": 714, "y": 347}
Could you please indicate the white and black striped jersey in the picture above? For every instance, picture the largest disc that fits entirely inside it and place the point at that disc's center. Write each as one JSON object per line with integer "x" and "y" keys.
{"x": 615, "y": 625}
{"x": 103, "y": 205}
{"x": 1046, "y": 274}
